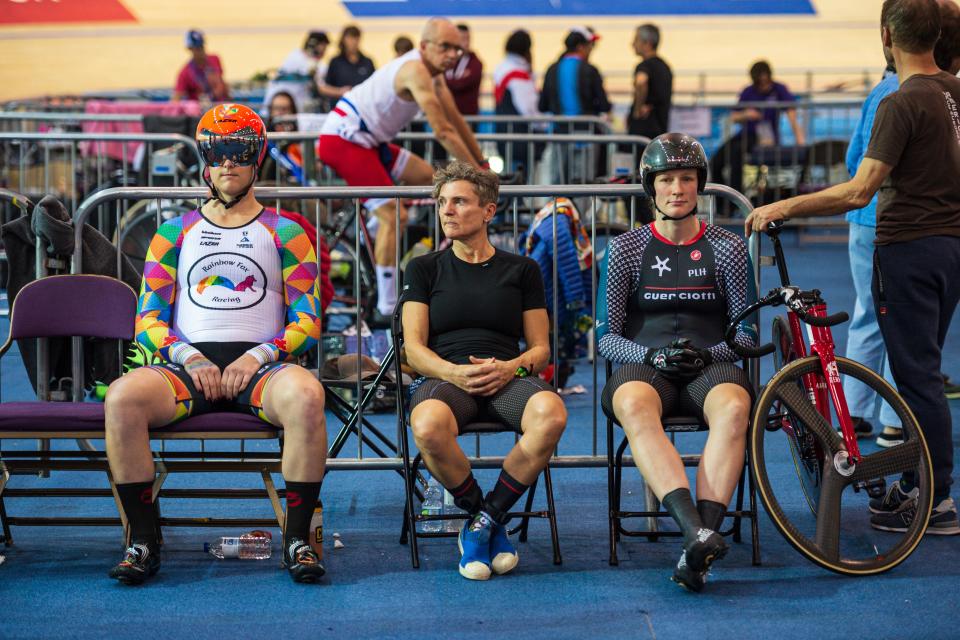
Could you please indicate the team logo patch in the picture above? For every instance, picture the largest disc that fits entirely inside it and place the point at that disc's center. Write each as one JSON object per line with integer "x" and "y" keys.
{"x": 695, "y": 255}
{"x": 226, "y": 281}
{"x": 661, "y": 265}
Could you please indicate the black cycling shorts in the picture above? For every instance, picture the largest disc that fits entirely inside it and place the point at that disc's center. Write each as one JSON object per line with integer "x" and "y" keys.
{"x": 505, "y": 406}
{"x": 678, "y": 398}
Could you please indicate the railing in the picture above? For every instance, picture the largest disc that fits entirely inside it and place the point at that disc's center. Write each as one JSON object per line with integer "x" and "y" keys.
{"x": 600, "y": 230}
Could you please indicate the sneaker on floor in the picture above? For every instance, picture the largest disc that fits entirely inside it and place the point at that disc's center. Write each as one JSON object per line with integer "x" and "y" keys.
{"x": 139, "y": 563}
{"x": 893, "y": 499}
{"x": 950, "y": 388}
{"x": 503, "y": 554}
{"x": 474, "y": 545}
{"x": 943, "y": 519}
{"x": 302, "y": 562}
{"x": 862, "y": 428}
{"x": 890, "y": 437}
{"x": 691, "y": 571}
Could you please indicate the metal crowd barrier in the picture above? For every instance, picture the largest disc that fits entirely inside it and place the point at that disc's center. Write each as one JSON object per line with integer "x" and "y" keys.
{"x": 765, "y": 161}
{"x": 599, "y": 229}
{"x": 71, "y": 166}
{"x": 555, "y": 158}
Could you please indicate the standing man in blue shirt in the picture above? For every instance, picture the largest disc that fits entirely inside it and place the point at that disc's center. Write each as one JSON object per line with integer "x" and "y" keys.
{"x": 864, "y": 342}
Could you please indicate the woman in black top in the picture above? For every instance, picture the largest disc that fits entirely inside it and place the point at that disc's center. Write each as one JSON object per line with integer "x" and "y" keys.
{"x": 350, "y": 67}
{"x": 465, "y": 310}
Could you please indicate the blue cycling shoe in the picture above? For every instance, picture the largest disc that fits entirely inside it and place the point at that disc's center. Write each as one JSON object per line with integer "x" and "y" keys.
{"x": 474, "y": 544}
{"x": 502, "y": 552}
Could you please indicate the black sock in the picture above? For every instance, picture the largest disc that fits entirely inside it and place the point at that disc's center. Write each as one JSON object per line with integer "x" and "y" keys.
{"x": 301, "y": 501}
{"x": 467, "y": 495}
{"x": 137, "y": 501}
{"x": 504, "y": 495}
{"x": 680, "y": 505}
{"x": 711, "y": 513}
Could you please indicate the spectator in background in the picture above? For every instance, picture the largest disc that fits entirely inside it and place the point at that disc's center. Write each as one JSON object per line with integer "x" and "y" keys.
{"x": 573, "y": 86}
{"x": 759, "y": 127}
{"x": 464, "y": 79}
{"x": 350, "y": 67}
{"x": 202, "y": 77}
{"x": 303, "y": 75}
{"x": 402, "y": 45}
{"x": 652, "y": 86}
{"x": 515, "y": 94}
{"x": 284, "y": 159}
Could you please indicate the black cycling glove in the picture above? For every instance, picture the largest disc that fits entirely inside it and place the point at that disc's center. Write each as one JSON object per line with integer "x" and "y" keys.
{"x": 674, "y": 362}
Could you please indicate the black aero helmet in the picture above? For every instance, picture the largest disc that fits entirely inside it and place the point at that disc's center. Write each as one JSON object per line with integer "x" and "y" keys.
{"x": 672, "y": 151}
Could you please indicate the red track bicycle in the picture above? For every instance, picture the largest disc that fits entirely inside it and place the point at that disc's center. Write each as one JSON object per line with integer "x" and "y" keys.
{"x": 793, "y": 437}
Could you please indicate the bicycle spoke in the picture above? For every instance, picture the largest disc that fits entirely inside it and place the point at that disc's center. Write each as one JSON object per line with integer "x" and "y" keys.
{"x": 828, "y": 513}
{"x": 895, "y": 460}
{"x": 799, "y": 404}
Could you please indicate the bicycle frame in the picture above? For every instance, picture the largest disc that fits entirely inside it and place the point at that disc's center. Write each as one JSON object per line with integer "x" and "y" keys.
{"x": 828, "y": 384}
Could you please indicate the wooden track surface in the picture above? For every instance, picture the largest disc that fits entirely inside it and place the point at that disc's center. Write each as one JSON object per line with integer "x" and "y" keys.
{"x": 840, "y": 42}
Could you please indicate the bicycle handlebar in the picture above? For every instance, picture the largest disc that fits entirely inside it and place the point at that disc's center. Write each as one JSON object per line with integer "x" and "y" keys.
{"x": 790, "y": 296}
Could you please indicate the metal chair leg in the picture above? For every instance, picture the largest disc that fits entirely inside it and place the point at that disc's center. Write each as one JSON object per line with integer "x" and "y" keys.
{"x": 552, "y": 516}
{"x": 525, "y": 523}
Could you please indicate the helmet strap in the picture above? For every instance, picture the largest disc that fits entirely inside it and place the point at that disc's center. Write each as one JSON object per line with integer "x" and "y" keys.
{"x": 227, "y": 204}
{"x": 692, "y": 212}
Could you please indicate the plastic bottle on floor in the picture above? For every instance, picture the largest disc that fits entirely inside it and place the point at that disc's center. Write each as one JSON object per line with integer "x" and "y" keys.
{"x": 432, "y": 505}
{"x": 451, "y": 509}
{"x": 250, "y": 546}
{"x": 316, "y": 530}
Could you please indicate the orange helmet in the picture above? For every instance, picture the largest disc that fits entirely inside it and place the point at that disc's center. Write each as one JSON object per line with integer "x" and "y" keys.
{"x": 232, "y": 132}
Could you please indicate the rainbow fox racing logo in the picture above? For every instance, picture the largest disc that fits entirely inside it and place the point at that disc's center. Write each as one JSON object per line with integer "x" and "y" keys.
{"x": 245, "y": 285}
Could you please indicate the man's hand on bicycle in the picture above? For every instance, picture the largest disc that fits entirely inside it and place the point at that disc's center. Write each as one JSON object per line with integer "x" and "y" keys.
{"x": 761, "y": 217}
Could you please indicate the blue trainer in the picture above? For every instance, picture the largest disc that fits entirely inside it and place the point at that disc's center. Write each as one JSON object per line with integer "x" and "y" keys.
{"x": 474, "y": 544}
{"x": 502, "y": 551}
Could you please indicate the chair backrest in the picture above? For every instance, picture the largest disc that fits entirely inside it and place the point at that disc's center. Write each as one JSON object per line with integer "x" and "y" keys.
{"x": 74, "y": 305}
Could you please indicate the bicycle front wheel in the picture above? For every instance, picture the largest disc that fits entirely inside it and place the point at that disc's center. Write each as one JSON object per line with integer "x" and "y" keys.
{"x": 833, "y": 530}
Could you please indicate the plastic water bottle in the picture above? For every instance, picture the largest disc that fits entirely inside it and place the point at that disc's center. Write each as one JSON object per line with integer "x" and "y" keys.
{"x": 451, "y": 508}
{"x": 432, "y": 505}
{"x": 316, "y": 530}
{"x": 250, "y": 546}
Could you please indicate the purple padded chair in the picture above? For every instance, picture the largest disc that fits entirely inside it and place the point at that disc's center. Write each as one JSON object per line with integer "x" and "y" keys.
{"x": 104, "y": 307}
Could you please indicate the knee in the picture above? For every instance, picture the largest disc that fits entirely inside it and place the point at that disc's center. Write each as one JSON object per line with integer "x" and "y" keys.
{"x": 548, "y": 417}
{"x": 732, "y": 417}
{"x": 636, "y": 403}
{"x": 124, "y": 400}
{"x": 431, "y": 428}
{"x": 304, "y": 397}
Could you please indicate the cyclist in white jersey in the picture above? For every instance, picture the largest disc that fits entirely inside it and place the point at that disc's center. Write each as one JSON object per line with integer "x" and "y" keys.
{"x": 228, "y": 302}
{"x": 355, "y": 140}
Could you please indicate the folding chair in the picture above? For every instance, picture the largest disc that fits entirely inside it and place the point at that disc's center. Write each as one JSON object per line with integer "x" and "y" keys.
{"x": 671, "y": 425}
{"x": 411, "y": 468}
{"x": 103, "y": 307}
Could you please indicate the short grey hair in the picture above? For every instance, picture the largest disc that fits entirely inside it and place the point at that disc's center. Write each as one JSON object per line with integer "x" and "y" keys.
{"x": 485, "y": 183}
{"x": 650, "y": 34}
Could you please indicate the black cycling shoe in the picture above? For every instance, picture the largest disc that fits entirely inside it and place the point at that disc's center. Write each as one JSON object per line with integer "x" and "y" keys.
{"x": 140, "y": 562}
{"x": 302, "y": 562}
{"x": 691, "y": 571}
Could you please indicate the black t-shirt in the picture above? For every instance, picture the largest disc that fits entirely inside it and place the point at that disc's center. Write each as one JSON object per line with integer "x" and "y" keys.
{"x": 343, "y": 73}
{"x": 659, "y": 96}
{"x": 475, "y": 309}
{"x": 917, "y": 132}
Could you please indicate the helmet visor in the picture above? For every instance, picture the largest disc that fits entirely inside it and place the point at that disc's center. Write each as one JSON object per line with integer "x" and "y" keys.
{"x": 242, "y": 151}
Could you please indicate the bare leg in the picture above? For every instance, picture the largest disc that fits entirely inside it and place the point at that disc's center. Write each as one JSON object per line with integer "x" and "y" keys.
{"x": 727, "y": 410}
{"x": 638, "y": 409}
{"x": 385, "y": 244}
{"x": 543, "y": 421}
{"x": 294, "y": 399}
{"x": 435, "y": 432}
{"x": 134, "y": 403}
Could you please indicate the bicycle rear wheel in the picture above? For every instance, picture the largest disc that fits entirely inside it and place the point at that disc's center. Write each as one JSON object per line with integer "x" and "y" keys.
{"x": 833, "y": 530}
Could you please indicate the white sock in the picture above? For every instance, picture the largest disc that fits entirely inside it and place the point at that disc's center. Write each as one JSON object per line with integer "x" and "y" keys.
{"x": 386, "y": 289}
